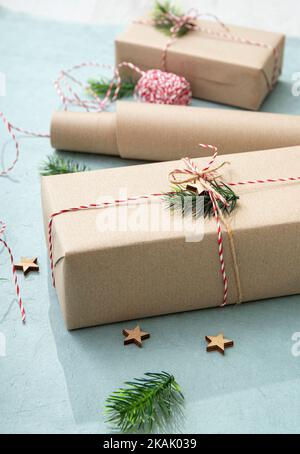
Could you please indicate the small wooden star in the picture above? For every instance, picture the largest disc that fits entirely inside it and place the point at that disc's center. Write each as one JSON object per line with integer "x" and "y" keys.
{"x": 135, "y": 336}
{"x": 27, "y": 265}
{"x": 218, "y": 343}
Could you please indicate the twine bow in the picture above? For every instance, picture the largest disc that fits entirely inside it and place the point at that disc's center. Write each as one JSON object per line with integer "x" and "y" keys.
{"x": 180, "y": 22}
{"x": 201, "y": 179}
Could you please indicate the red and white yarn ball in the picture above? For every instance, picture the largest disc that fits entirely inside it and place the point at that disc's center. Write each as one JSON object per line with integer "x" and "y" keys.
{"x": 159, "y": 87}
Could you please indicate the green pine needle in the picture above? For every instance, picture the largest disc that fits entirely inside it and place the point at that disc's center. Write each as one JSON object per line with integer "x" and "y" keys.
{"x": 158, "y": 14}
{"x": 100, "y": 87}
{"x": 187, "y": 201}
{"x": 144, "y": 403}
{"x": 55, "y": 165}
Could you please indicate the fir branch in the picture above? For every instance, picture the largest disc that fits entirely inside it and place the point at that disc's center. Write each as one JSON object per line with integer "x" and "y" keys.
{"x": 144, "y": 403}
{"x": 55, "y": 165}
{"x": 187, "y": 201}
{"x": 101, "y": 86}
{"x": 159, "y": 12}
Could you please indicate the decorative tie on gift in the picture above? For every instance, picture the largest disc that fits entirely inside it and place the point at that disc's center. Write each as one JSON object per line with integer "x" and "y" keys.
{"x": 180, "y": 24}
{"x": 208, "y": 179}
{"x": 197, "y": 180}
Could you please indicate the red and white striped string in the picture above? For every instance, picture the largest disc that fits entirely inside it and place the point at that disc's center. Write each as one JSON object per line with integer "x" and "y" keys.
{"x": 16, "y": 143}
{"x": 220, "y": 248}
{"x": 267, "y": 180}
{"x": 11, "y": 128}
{"x": 15, "y": 278}
{"x": 92, "y": 206}
{"x": 190, "y": 169}
{"x": 189, "y": 21}
{"x": 153, "y": 86}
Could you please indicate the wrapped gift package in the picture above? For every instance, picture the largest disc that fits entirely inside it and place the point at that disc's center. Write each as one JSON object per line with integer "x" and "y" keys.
{"x": 106, "y": 275}
{"x": 158, "y": 132}
{"x": 219, "y": 69}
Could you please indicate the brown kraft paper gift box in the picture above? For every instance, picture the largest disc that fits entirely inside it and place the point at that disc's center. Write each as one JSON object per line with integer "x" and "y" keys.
{"x": 218, "y": 69}
{"x": 109, "y": 276}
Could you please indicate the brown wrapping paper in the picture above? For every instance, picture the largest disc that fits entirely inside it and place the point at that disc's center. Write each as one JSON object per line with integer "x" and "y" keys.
{"x": 218, "y": 70}
{"x": 109, "y": 276}
{"x": 164, "y": 133}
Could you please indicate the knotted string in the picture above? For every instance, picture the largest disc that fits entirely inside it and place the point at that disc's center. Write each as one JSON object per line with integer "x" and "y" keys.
{"x": 15, "y": 278}
{"x": 203, "y": 180}
{"x": 204, "y": 177}
{"x": 188, "y": 22}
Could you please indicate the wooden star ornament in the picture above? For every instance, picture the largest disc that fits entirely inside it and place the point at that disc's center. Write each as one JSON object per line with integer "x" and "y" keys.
{"x": 27, "y": 264}
{"x": 135, "y": 336}
{"x": 218, "y": 343}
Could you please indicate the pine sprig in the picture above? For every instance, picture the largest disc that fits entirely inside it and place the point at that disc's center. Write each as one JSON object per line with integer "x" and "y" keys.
{"x": 187, "y": 201}
{"x": 144, "y": 403}
{"x": 55, "y": 165}
{"x": 100, "y": 87}
{"x": 159, "y": 12}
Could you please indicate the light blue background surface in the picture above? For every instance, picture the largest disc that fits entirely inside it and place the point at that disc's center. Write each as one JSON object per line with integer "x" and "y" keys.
{"x": 56, "y": 381}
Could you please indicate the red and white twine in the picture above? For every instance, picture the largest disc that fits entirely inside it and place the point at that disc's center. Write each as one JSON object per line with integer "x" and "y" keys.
{"x": 153, "y": 86}
{"x": 190, "y": 169}
{"x": 160, "y": 87}
{"x": 16, "y": 143}
{"x": 15, "y": 278}
{"x": 189, "y": 21}
{"x": 11, "y": 128}
{"x": 91, "y": 206}
{"x": 220, "y": 248}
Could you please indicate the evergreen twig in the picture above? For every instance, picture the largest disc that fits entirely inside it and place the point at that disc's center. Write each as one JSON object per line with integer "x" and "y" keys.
{"x": 187, "y": 201}
{"x": 159, "y": 12}
{"x": 144, "y": 403}
{"x": 100, "y": 87}
{"x": 56, "y": 165}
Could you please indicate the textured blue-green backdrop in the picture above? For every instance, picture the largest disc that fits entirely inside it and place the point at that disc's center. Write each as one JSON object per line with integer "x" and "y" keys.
{"x": 56, "y": 381}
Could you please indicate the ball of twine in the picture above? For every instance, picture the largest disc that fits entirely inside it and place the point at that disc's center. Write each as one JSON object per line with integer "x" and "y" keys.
{"x": 160, "y": 87}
